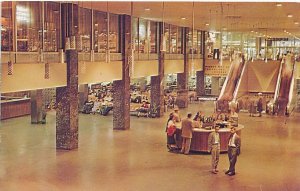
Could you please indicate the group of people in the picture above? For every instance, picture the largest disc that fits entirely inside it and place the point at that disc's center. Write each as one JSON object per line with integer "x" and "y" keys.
{"x": 187, "y": 126}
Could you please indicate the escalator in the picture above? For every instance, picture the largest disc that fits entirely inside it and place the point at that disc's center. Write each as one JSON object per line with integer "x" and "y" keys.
{"x": 284, "y": 100}
{"x": 230, "y": 86}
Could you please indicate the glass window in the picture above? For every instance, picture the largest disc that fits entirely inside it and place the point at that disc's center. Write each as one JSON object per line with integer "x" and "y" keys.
{"x": 143, "y": 36}
{"x": 153, "y": 37}
{"x": 85, "y": 24}
{"x": 179, "y": 41}
{"x": 199, "y": 42}
{"x": 6, "y": 27}
{"x": 52, "y": 28}
{"x": 100, "y": 31}
{"x": 167, "y": 37}
{"x": 190, "y": 41}
{"x": 29, "y": 26}
{"x": 173, "y": 39}
{"x": 135, "y": 35}
{"x": 113, "y": 37}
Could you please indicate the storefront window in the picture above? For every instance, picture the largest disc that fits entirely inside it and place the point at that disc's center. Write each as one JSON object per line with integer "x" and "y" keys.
{"x": 179, "y": 41}
{"x": 6, "y": 27}
{"x": 143, "y": 36}
{"x": 29, "y": 26}
{"x": 100, "y": 31}
{"x": 153, "y": 37}
{"x": 52, "y": 28}
{"x": 85, "y": 24}
{"x": 173, "y": 39}
{"x": 135, "y": 33}
{"x": 113, "y": 37}
{"x": 198, "y": 45}
{"x": 167, "y": 37}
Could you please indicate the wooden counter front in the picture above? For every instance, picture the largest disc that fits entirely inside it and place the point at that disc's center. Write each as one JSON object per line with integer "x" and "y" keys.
{"x": 15, "y": 108}
{"x": 200, "y": 138}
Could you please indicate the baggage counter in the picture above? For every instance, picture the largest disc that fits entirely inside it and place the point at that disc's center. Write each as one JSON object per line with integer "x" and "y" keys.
{"x": 200, "y": 138}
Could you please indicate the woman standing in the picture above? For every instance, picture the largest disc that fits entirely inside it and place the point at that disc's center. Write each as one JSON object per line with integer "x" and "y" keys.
{"x": 170, "y": 129}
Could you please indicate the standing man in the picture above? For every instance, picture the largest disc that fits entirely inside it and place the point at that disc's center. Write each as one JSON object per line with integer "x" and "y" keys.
{"x": 186, "y": 134}
{"x": 214, "y": 149}
{"x": 234, "y": 144}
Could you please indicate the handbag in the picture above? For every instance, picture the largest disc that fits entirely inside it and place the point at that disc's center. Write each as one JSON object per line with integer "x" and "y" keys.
{"x": 171, "y": 130}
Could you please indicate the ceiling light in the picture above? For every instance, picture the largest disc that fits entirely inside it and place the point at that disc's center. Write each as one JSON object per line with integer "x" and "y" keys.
{"x": 147, "y": 9}
{"x": 290, "y": 16}
{"x": 224, "y": 28}
{"x": 252, "y": 31}
{"x": 284, "y": 31}
{"x": 296, "y": 23}
{"x": 278, "y": 4}
{"x": 207, "y": 24}
{"x": 183, "y": 18}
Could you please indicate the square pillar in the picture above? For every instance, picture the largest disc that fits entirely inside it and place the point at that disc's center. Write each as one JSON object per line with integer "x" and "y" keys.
{"x": 157, "y": 82}
{"x": 36, "y": 99}
{"x": 182, "y": 78}
{"x": 83, "y": 95}
{"x": 215, "y": 86}
{"x": 200, "y": 88}
{"x": 67, "y": 106}
{"x": 121, "y": 88}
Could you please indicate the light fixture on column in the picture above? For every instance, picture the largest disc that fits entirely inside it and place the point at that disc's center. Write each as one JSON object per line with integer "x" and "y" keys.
{"x": 47, "y": 71}
{"x": 10, "y": 65}
{"x": 10, "y": 68}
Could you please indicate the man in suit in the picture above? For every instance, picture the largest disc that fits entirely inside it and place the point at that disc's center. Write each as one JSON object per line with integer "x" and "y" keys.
{"x": 214, "y": 149}
{"x": 186, "y": 133}
{"x": 234, "y": 144}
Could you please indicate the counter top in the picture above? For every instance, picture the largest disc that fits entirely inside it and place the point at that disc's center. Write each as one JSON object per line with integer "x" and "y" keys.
{"x": 14, "y": 100}
{"x": 178, "y": 126}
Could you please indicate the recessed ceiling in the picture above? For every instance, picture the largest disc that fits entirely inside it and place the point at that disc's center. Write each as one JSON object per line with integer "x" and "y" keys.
{"x": 261, "y": 17}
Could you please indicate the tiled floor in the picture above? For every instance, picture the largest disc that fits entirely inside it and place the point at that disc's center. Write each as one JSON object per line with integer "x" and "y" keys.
{"x": 137, "y": 159}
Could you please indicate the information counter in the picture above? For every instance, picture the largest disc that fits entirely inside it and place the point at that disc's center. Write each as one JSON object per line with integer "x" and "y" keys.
{"x": 14, "y": 107}
{"x": 200, "y": 138}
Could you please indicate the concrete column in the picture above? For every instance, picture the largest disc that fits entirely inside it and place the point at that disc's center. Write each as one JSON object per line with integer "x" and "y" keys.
{"x": 200, "y": 88}
{"x": 67, "y": 106}
{"x": 215, "y": 86}
{"x": 36, "y": 97}
{"x": 157, "y": 82}
{"x": 121, "y": 88}
{"x": 83, "y": 95}
{"x": 182, "y": 78}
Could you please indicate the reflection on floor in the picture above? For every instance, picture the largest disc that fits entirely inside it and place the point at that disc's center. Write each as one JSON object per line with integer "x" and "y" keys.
{"x": 138, "y": 159}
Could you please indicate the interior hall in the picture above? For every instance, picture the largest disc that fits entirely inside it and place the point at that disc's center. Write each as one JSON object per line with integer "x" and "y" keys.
{"x": 150, "y": 95}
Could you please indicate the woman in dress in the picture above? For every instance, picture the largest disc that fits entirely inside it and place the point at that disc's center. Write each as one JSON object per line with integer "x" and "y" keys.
{"x": 170, "y": 129}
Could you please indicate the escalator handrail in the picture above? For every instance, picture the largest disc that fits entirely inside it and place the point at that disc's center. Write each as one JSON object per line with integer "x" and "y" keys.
{"x": 291, "y": 86}
{"x": 239, "y": 80}
{"x": 226, "y": 81}
{"x": 278, "y": 81}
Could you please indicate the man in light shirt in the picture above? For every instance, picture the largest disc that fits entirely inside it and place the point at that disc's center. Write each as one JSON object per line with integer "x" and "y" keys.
{"x": 214, "y": 149}
{"x": 234, "y": 144}
{"x": 186, "y": 134}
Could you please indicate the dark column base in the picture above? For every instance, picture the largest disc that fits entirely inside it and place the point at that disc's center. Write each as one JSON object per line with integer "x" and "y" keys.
{"x": 36, "y": 106}
{"x": 67, "y": 106}
{"x": 67, "y": 139}
{"x": 182, "y": 99}
{"x": 121, "y": 104}
{"x": 200, "y": 89}
{"x": 157, "y": 95}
